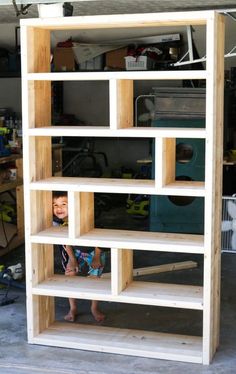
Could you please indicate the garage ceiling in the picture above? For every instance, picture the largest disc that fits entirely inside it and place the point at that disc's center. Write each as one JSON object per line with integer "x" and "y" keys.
{"x": 98, "y": 7}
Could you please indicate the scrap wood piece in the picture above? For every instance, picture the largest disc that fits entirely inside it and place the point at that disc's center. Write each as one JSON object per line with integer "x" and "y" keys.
{"x": 160, "y": 268}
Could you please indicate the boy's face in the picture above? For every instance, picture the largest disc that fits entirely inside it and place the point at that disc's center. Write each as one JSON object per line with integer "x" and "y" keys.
{"x": 60, "y": 207}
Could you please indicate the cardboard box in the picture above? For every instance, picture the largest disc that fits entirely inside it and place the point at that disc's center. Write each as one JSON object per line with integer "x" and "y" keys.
{"x": 63, "y": 59}
{"x": 116, "y": 59}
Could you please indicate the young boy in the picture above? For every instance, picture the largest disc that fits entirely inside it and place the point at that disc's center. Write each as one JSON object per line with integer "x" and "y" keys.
{"x": 74, "y": 260}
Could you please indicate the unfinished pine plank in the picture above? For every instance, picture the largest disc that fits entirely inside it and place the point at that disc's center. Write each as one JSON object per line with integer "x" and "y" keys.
{"x": 39, "y": 51}
{"x": 105, "y": 131}
{"x": 174, "y": 266}
{"x": 107, "y": 238}
{"x": 86, "y": 214}
{"x": 43, "y": 307}
{"x": 42, "y": 217}
{"x": 121, "y": 98}
{"x": 123, "y": 341}
{"x": 111, "y": 185}
{"x": 121, "y": 269}
{"x": 136, "y": 292}
{"x": 213, "y": 183}
{"x": 81, "y": 213}
{"x": 122, "y": 21}
{"x": 168, "y": 295}
{"x": 183, "y": 188}
{"x": 165, "y": 161}
{"x": 36, "y": 111}
{"x": 133, "y": 75}
{"x": 125, "y": 103}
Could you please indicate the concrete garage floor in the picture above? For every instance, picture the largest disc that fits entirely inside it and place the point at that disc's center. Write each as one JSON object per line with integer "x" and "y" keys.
{"x": 19, "y": 357}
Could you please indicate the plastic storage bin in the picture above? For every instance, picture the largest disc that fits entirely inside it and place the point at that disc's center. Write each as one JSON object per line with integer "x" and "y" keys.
{"x": 138, "y": 63}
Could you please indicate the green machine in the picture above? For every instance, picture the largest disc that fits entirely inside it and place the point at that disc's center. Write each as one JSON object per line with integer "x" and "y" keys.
{"x": 179, "y": 107}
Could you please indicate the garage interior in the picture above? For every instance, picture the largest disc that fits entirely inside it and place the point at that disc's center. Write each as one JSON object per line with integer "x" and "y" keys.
{"x": 116, "y": 213}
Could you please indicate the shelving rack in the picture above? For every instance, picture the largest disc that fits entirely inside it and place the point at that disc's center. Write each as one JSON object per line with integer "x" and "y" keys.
{"x": 42, "y": 284}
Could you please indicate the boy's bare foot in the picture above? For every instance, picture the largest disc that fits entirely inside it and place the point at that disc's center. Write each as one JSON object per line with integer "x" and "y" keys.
{"x": 98, "y": 316}
{"x": 71, "y": 316}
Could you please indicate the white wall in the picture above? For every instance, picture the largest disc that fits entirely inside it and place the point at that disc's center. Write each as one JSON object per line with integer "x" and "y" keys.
{"x": 7, "y": 35}
{"x": 10, "y": 94}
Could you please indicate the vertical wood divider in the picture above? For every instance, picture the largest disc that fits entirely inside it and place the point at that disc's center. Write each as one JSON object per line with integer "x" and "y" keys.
{"x": 213, "y": 184}
{"x": 165, "y": 160}
{"x": 36, "y": 112}
{"x": 113, "y": 110}
{"x": 121, "y": 269}
{"x": 85, "y": 213}
{"x": 72, "y": 211}
{"x": 121, "y": 104}
{"x": 169, "y": 160}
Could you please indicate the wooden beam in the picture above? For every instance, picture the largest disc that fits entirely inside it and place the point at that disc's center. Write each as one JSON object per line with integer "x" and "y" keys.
{"x": 165, "y": 154}
{"x": 122, "y": 269}
{"x": 213, "y": 184}
{"x": 159, "y": 269}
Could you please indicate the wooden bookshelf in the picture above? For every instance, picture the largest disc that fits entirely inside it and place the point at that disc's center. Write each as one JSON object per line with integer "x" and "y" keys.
{"x": 42, "y": 284}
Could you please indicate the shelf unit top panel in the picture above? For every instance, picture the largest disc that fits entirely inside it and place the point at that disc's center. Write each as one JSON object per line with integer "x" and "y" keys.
{"x": 121, "y": 20}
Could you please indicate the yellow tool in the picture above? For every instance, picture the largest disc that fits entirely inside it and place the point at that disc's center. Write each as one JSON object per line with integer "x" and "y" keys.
{"x": 4, "y": 130}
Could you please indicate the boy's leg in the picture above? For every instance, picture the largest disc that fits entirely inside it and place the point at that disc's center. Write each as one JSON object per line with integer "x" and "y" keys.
{"x": 95, "y": 273}
{"x": 71, "y": 315}
{"x": 98, "y": 315}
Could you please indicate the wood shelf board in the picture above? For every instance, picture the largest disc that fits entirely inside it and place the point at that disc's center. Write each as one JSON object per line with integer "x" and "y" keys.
{"x": 118, "y": 75}
{"x": 105, "y": 131}
{"x": 108, "y": 185}
{"x": 122, "y": 21}
{"x": 78, "y": 287}
{"x": 122, "y": 341}
{"x": 185, "y": 188}
{"x": 109, "y": 238}
{"x": 138, "y": 292}
{"x": 111, "y": 185}
{"x": 162, "y": 294}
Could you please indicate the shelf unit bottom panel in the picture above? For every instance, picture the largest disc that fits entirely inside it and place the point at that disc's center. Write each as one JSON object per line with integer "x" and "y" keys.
{"x": 122, "y": 341}
{"x": 138, "y": 292}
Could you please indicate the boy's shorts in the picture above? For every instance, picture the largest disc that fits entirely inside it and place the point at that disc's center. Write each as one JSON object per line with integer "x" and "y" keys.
{"x": 85, "y": 261}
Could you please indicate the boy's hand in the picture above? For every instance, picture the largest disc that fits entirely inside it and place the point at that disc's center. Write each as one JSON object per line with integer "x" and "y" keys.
{"x": 72, "y": 266}
{"x": 96, "y": 263}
